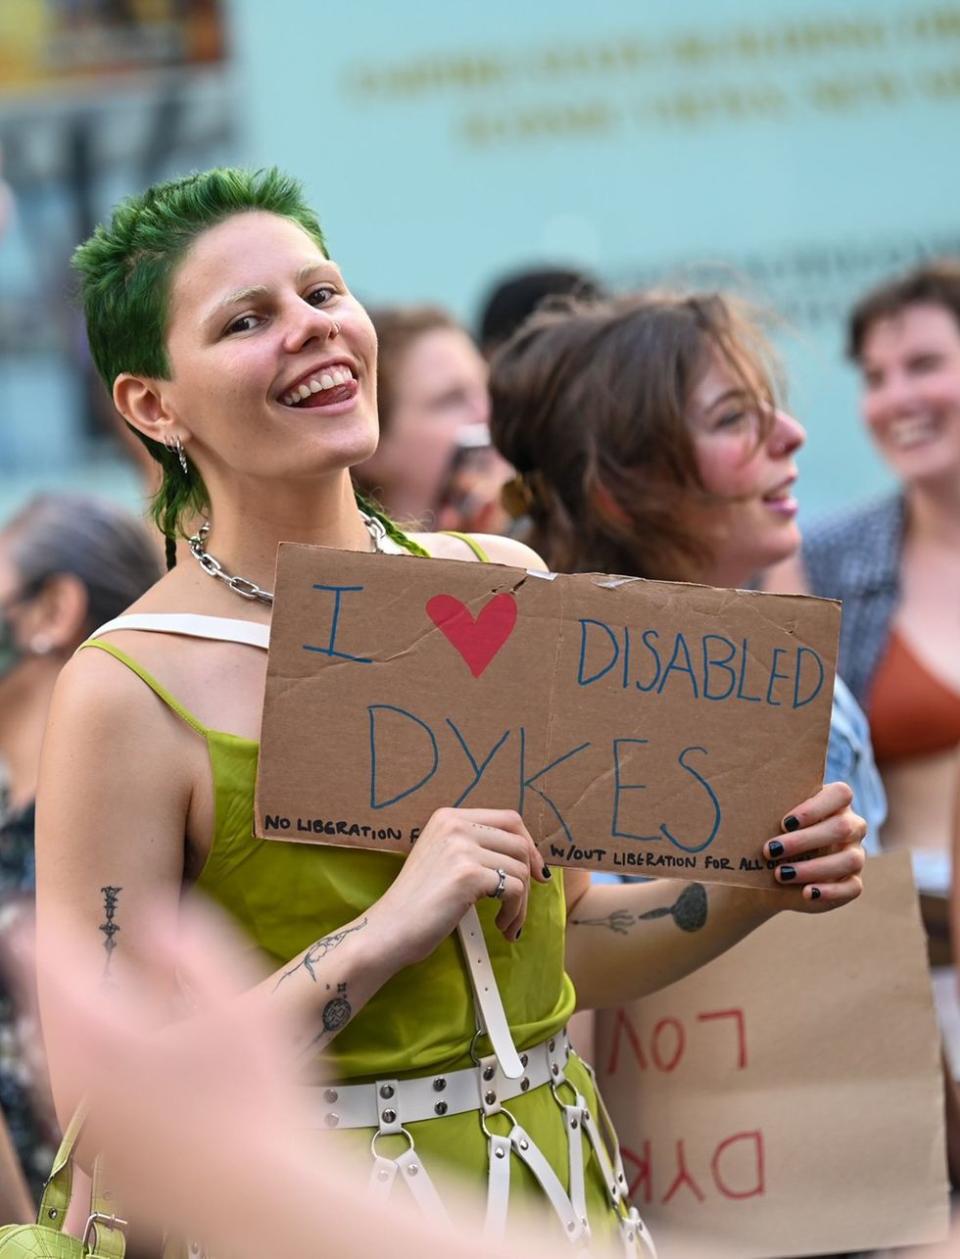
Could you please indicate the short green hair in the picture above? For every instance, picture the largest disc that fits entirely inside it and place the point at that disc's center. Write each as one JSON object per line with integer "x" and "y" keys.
{"x": 126, "y": 268}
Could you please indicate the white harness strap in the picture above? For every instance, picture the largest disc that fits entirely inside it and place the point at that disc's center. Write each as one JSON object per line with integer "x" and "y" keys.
{"x": 498, "y": 1188}
{"x": 489, "y": 1003}
{"x": 527, "y": 1150}
{"x": 191, "y": 625}
{"x": 421, "y": 1187}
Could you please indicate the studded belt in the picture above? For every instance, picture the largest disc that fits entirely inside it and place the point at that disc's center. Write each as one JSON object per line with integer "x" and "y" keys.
{"x": 389, "y": 1104}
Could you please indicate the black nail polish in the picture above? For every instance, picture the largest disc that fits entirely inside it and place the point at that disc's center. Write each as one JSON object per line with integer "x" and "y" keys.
{"x": 517, "y": 936}
{"x": 814, "y": 893}
{"x": 786, "y": 873}
{"x": 791, "y": 823}
{"x": 547, "y": 872}
{"x": 776, "y": 848}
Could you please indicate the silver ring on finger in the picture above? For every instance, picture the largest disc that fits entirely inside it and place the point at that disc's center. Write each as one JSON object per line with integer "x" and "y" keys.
{"x": 497, "y": 893}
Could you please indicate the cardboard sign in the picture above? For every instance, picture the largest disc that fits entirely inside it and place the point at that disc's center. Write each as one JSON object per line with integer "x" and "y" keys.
{"x": 787, "y": 1099}
{"x": 638, "y": 726}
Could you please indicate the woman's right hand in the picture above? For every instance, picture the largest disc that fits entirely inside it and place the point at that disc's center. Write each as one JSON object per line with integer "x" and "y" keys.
{"x": 453, "y": 865}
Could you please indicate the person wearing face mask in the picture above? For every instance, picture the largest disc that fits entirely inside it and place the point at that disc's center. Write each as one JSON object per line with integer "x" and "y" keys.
{"x": 433, "y": 464}
{"x": 649, "y": 443}
{"x": 67, "y": 562}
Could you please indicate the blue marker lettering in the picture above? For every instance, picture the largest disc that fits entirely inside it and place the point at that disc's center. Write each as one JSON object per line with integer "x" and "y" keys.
{"x": 372, "y": 710}
{"x": 330, "y": 650}
{"x": 620, "y": 786}
{"x": 723, "y": 664}
{"x": 478, "y": 770}
{"x": 717, "y": 815}
{"x": 581, "y": 677}
{"x": 527, "y": 782}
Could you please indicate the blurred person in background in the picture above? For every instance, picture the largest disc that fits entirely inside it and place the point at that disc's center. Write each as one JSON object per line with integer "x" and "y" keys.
{"x": 648, "y": 442}
{"x": 514, "y": 297}
{"x": 433, "y": 461}
{"x": 234, "y": 347}
{"x": 896, "y": 563}
{"x": 68, "y": 563}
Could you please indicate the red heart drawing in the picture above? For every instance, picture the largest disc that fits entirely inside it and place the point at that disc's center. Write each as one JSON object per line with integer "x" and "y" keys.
{"x": 477, "y": 639}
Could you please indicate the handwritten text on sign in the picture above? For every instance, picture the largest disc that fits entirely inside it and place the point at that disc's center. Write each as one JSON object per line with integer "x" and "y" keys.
{"x": 646, "y": 727}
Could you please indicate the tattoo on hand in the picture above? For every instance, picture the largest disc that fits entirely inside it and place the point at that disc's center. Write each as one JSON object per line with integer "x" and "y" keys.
{"x": 111, "y": 896}
{"x": 318, "y": 951}
{"x": 689, "y": 912}
{"x": 338, "y": 1011}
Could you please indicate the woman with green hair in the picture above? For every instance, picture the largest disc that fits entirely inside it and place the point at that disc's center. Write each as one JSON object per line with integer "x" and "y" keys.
{"x": 234, "y": 349}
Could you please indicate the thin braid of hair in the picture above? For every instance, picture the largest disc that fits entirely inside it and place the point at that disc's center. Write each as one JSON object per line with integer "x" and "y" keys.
{"x": 170, "y": 550}
{"x": 392, "y": 530}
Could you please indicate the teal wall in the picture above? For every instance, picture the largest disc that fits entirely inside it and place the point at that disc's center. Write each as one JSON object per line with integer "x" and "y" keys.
{"x": 804, "y": 148}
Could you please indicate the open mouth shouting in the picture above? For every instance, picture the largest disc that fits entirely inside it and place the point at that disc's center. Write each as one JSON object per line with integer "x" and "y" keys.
{"x": 325, "y": 385}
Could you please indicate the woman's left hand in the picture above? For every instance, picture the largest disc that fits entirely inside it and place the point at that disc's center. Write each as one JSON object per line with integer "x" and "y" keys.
{"x": 820, "y": 851}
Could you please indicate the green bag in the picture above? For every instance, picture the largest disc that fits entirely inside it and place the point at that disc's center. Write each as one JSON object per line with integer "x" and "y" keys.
{"x": 46, "y": 1239}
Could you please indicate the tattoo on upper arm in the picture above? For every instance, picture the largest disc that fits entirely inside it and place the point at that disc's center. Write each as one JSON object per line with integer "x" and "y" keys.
{"x": 111, "y": 896}
{"x": 689, "y": 912}
{"x": 318, "y": 951}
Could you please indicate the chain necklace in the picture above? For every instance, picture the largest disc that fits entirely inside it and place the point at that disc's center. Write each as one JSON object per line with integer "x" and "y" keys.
{"x": 249, "y": 589}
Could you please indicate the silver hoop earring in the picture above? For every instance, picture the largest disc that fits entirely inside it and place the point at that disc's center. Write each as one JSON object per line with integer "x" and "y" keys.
{"x": 176, "y": 447}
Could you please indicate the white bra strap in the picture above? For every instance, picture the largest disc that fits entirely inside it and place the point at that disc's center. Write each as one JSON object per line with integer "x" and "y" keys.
{"x": 192, "y": 625}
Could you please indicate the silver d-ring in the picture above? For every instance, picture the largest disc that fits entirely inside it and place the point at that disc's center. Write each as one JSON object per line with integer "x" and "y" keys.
{"x": 497, "y": 893}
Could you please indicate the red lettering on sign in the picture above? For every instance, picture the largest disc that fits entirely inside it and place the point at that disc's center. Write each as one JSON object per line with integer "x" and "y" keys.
{"x": 759, "y": 1187}
{"x": 680, "y": 1040}
{"x": 741, "y": 1031}
{"x": 622, "y": 1024}
{"x": 683, "y": 1177}
{"x": 642, "y": 1178}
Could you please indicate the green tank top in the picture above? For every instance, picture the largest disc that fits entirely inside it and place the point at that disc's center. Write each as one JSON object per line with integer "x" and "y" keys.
{"x": 287, "y": 895}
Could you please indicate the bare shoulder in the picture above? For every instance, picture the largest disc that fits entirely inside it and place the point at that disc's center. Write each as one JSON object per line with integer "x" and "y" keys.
{"x": 98, "y": 696}
{"x": 498, "y": 549}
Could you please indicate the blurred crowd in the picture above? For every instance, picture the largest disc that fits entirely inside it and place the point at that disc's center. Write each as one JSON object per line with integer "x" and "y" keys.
{"x": 644, "y": 434}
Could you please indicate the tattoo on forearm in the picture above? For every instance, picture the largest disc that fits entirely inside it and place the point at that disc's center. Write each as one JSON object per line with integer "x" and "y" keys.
{"x": 111, "y": 896}
{"x": 318, "y": 951}
{"x": 338, "y": 1011}
{"x": 689, "y": 912}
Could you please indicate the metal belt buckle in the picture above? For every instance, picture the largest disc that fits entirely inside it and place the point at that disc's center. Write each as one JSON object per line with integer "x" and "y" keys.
{"x": 97, "y": 1217}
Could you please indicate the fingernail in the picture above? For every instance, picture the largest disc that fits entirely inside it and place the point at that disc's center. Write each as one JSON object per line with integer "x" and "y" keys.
{"x": 786, "y": 873}
{"x": 517, "y": 936}
{"x": 791, "y": 823}
{"x": 775, "y": 848}
{"x": 814, "y": 893}
{"x": 547, "y": 874}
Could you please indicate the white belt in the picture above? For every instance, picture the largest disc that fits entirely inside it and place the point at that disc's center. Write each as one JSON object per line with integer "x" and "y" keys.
{"x": 389, "y": 1104}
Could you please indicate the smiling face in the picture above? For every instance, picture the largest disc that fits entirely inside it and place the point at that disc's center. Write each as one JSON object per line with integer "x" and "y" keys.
{"x": 273, "y": 361}
{"x": 911, "y": 392}
{"x": 746, "y": 461}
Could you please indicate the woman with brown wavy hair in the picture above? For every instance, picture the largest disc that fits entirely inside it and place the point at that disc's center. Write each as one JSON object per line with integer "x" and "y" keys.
{"x": 648, "y": 441}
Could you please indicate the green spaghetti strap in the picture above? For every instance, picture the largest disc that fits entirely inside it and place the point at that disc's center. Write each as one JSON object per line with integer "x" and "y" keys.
{"x": 472, "y": 543}
{"x": 160, "y": 691}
